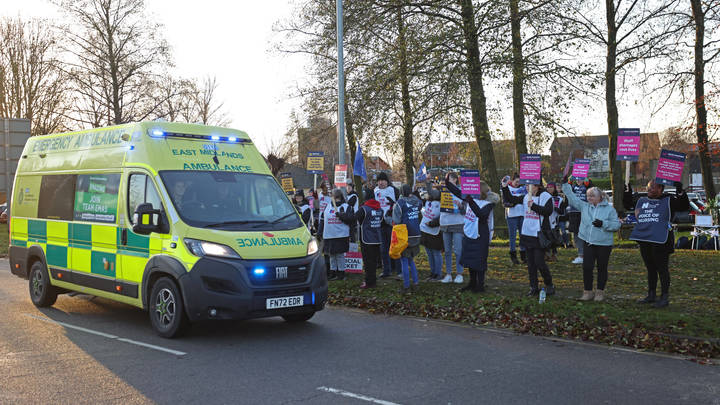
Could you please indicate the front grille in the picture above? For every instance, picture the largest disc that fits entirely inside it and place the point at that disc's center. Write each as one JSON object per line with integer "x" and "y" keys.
{"x": 295, "y": 274}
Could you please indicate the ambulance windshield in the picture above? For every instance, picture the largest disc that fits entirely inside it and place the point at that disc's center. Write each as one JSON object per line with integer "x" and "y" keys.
{"x": 230, "y": 201}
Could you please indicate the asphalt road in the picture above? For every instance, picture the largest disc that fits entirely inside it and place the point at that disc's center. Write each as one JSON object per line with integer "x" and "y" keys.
{"x": 90, "y": 350}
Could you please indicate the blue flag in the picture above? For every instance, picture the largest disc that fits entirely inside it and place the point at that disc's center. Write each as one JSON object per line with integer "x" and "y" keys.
{"x": 359, "y": 164}
{"x": 422, "y": 173}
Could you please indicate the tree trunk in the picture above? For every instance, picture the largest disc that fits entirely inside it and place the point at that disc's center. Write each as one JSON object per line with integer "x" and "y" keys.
{"x": 616, "y": 174}
{"x": 405, "y": 99}
{"x": 700, "y": 109}
{"x": 478, "y": 103}
{"x": 518, "y": 70}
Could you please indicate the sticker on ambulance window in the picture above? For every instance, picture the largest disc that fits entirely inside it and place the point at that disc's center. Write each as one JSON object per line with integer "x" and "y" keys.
{"x": 96, "y": 197}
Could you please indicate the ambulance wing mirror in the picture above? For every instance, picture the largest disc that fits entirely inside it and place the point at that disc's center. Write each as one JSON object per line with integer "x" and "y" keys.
{"x": 147, "y": 219}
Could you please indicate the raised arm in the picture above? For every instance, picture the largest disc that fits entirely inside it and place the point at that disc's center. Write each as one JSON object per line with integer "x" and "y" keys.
{"x": 543, "y": 210}
{"x": 573, "y": 200}
{"x": 512, "y": 199}
{"x": 455, "y": 190}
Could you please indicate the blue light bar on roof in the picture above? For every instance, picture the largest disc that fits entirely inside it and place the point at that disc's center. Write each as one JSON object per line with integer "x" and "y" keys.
{"x": 157, "y": 133}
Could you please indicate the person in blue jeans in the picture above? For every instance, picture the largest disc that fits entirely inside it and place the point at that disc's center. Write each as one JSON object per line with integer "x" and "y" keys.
{"x": 514, "y": 213}
{"x": 431, "y": 237}
{"x": 451, "y": 226}
{"x": 407, "y": 211}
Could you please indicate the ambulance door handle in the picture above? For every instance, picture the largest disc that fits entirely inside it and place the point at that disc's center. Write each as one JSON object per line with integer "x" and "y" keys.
{"x": 123, "y": 237}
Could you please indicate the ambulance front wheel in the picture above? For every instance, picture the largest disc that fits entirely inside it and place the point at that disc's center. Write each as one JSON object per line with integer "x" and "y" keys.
{"x": 42, "y": 293}
{"x": 298, "y": 317}
{"x": 166, "y": 309}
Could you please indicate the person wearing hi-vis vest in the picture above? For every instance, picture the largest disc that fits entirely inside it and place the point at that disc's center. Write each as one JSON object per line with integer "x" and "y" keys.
{"x": 369, "y": 217}
{"x": 431, "y": 236}
{"x": 335, "y": 231}
{"x": 303, "y": 207}
{"x": 538, "y": 205}
{"x": 653, "y": 232}
{"x": 451, "y": 225}
{"x": 514, "y": 213}
{"x": 597, "y": 227}
{"x": 407, "y": 211}
{"x": 478, "y": 228}
{"x": 386, "y": 195}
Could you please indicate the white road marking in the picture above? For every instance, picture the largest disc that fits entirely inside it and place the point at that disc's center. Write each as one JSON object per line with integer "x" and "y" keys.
{"x": 356, "y": 396}
{"x": 478, "y": 371}
{"x": 107, "y": 335}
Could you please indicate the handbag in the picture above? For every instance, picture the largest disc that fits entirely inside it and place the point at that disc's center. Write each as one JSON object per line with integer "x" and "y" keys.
{"x": 549, "y": 238}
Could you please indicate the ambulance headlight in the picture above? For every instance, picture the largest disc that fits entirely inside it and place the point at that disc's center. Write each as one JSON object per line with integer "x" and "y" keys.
{"x": 313, "y": 247}
{"x": 202, "y": 248}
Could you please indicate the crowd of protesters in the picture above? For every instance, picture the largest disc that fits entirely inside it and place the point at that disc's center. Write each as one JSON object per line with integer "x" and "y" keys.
{"x": 541, "y": 216}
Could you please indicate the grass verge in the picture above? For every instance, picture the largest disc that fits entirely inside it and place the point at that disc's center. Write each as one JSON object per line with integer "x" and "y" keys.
{"x": 689, "y": 326}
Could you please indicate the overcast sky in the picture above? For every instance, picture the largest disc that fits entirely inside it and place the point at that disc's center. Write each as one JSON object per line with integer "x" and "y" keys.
{"x": 232, "y": 40}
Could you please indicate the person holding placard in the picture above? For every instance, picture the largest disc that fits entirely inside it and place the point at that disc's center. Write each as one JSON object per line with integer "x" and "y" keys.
{"x": 335, "y": 231}
{"x": 451, "y": 225}
{"x": 599, "y": 221}
{"x": 478, "y": 227}
{"x": 369, "y": 218}
{"x": 653, "y": 232}
{"x": 559, "y": 206}
{"x": 386, "y": 195}
{"x": 514, "y": 213}
{"x": 538, "y": 205}
{"x": 431, "y": 237}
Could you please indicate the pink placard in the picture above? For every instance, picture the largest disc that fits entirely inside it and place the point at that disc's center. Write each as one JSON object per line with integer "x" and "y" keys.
{"x": 670, "y": 167}
{"x": 530, "y": 168}
{"x": 581, "y": 168}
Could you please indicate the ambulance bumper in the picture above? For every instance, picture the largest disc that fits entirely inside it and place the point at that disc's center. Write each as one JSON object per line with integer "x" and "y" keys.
{"x": 232, "y": 289}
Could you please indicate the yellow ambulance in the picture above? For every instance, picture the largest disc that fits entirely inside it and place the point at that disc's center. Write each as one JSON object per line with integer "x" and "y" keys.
{"x": 184, "y": 221}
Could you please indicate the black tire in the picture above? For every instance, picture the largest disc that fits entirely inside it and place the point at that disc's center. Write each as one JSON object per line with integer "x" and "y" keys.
{"x": 293, "y": 318}
{"x": 166, "y": 309}
{"x": 42, "y": 293}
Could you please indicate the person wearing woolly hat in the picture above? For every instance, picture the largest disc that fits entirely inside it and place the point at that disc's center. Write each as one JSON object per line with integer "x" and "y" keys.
{"x": 369, "y": 218}
{"x": 386, "y": 195}
{"x": 303, "y": 207}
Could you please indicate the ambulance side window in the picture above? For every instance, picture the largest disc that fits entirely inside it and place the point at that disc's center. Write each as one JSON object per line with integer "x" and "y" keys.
{"x": 57, "y": 197}
{"x": 141, "y": 190}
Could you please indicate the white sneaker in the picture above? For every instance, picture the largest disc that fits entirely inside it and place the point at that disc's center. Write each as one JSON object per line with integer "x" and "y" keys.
{"x": 447, "y": 279}
{"x": 459, "y": 279}
{"x": 578, "y": 260}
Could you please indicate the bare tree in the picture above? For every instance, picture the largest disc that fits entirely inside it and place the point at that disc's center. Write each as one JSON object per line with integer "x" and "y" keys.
{"x": 116, "y": 54}
{"x": 31, "y": 85}
{"x": 206, "y": 108}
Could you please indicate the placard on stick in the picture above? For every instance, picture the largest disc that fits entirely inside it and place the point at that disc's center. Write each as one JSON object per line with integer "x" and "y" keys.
{"x": 581, "y": 167}
{"x": 628, "y": 146}
{"x": 315, "y": 162}
{"x": 470, "y": 183}
{"x": 286, "y": 181}
{"x": 530, "y": 168}
{"x": 446, "y": 200}
{"x": 670, "y": 167}
{"x": 340, "y": 175}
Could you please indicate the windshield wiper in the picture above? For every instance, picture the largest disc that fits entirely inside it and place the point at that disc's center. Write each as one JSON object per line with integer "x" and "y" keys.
{"x": 252, "y": 221}
{"x": 275, "y": 221}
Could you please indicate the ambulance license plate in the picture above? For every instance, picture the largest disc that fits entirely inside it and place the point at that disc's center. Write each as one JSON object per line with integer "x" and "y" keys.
{"x": 284, "y": 302}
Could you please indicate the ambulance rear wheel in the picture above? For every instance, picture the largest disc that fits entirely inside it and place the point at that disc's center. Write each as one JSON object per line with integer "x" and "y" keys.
{"x": 298, "y": 317}
{"x": 166, "y": 309}
{"x": 42, "y": 293}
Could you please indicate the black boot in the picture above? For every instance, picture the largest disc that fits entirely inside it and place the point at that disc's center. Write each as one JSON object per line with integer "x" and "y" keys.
{"x": 473, "y": 279}
{"x": 651, "y": 297}
{"x": 340, "y": 275}
{"x": 333, "y": 275}
{"x": 550, "y": 290}
{"x": 523, "y": 256}
{"x": 513, "y": 257}
{"x": 479, "y": 283}
{"x": 663, "y": 301}
{"x": 533, "y": 291}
